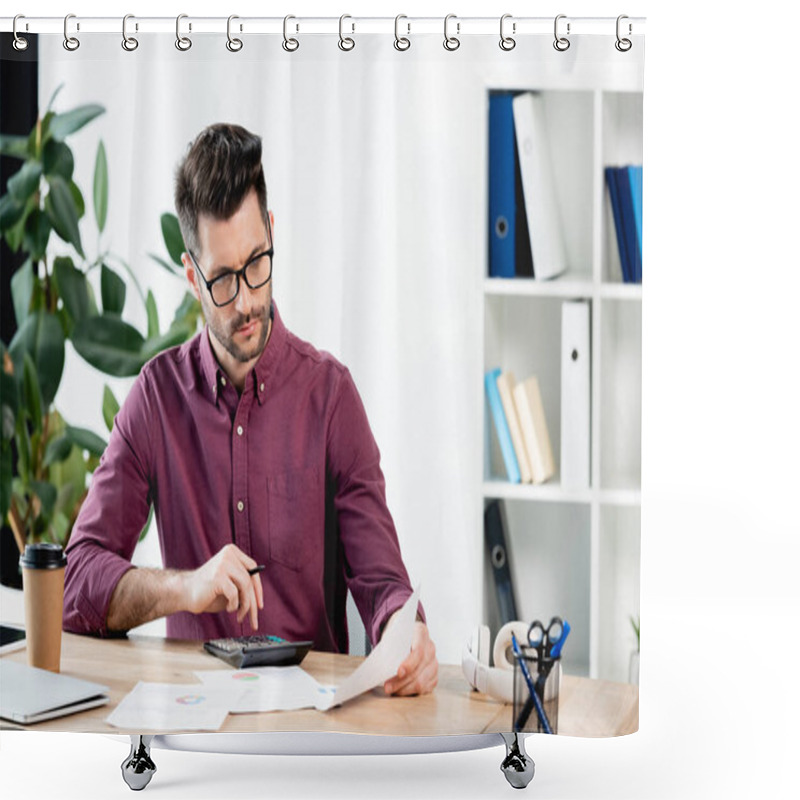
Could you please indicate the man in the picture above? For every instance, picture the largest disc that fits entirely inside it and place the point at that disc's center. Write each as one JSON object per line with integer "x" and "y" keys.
{"x": 242, "y": 439}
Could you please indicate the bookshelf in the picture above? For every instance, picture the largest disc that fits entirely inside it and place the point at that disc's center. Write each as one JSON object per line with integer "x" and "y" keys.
{"x": 575, "y": 552}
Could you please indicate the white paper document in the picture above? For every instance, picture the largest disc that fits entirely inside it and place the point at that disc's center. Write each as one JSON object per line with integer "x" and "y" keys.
{"x": 290, "y": 688}
{"x": 173, "y": 707}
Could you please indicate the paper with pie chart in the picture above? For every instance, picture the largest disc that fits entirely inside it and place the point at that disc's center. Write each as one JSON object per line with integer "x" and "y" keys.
{"x": 173, "y": 707}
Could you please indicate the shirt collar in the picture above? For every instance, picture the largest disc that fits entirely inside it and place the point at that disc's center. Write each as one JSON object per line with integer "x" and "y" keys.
{"x": 261, "y": 372}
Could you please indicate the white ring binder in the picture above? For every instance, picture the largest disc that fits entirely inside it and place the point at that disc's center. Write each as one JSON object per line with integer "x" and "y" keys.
{"x": 183, "y": 43}
{"x": 71, "y": 43}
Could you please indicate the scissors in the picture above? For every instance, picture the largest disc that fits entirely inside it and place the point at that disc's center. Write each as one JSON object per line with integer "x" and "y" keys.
{"x": 547, "y": 641}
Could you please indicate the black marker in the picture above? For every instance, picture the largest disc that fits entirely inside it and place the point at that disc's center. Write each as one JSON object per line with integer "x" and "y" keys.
{"x": 259, "y": 568}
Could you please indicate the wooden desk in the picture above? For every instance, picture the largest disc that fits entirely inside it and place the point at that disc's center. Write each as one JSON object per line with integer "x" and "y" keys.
{"x": 586, "y": 708}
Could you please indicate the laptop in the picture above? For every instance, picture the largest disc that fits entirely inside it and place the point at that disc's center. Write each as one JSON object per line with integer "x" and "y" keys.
{"x": 29, "y": 694}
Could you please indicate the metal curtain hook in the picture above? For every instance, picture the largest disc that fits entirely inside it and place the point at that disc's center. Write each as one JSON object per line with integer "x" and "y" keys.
{"x": 623, "y": 45}
{"x": 70, "y": 42}
{"x": 234, "y": 45}
{"x": 451, "y": 42}
{"x": 289, "y": 45}
{"x": 346, "y": 43}
{"x": 182, "y": 42}
{"x": 561, "y": 43}
{"x": 401, "y": 42}
{"x": 507, "y": 42}
{"x": 20, "y": 42}
{"x": 128, "y": 42}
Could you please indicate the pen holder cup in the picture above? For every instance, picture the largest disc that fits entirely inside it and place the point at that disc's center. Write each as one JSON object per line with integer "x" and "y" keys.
{"x": 546, "y": 677}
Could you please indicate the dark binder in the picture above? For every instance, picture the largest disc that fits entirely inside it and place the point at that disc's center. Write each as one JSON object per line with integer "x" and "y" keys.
{"x": 499, "y": 557}
{"x": 502, "y": 204}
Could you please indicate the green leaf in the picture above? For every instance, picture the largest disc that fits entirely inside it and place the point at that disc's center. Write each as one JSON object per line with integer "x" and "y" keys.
{"x": 15, "y": 146}
{"x": 110, "y": 345}
{"x": 6, "y": 477}
{"x": 22, "y": 282}
{"x": 37, "y": 234}
{"x": 63, "y": 212}
{"x": 112, "y": 291}
{"x": 47, "y": 493}
{"x": 69, "y": 477}
{"x": 53, "y": 97}
{"x": 10, "y": 211}
{"x": 25, "y": 182}
{"x": 177, "y": 334}
{"x": 23, "y": 441}
{"x": 58, "y": 160}
{"x": 57, "y": 450}
{"x": 86, "y": 440}
{"x": 110, "y": 407}
{"x": 42, "y": 338}
{"x": 167, "y": 266}
{"x": 80, "y": 205}
{"x": 62, "y": 125}
{"x": 73, "y": 288}
{"x": 31, "y": 393}
{"x": 59, "y": 528}
{"x": 171, "y": 231}
{"x": 147, "y": 524}
{"x": 100, "y": 187}
{"x": 153, "y": 329}
{"x": 188, "y": 311}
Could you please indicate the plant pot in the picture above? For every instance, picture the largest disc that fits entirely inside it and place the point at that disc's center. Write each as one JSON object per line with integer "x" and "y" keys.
{"x": 10, "y": 574}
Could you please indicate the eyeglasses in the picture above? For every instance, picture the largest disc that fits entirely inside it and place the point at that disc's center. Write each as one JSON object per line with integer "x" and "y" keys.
{"x": 256, "y": 273}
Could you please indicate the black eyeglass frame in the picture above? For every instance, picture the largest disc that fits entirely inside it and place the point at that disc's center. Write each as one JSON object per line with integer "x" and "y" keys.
{"x": 240, "y": 274}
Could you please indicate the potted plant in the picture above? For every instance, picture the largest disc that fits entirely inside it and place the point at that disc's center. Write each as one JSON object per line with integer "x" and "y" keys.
{"x": 45, "y": 462}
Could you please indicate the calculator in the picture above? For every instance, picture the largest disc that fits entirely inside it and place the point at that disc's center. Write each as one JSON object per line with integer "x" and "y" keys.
{"x": 258, "y": 651}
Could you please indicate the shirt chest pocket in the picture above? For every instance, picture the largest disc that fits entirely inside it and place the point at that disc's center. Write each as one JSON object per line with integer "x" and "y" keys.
{"x": 296, "y": 512}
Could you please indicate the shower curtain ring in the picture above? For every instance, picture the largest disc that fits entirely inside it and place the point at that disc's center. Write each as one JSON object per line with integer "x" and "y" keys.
{"x": 233, "y": 44}
{"x": 451, "y": 42}
{"x": 346, "y": 43}
{"x": 561, "y": 43}
{"x": 128, "y": 42}
{"x": 70, "y": 42}
{"x": 401, "y": 43}
{"x": 623, "y": 45}
{"x": 289, "y": 44}
{"x": 20, "y": 42}
{"x": 507, "y": 42}
{"x": 183, "y": 43}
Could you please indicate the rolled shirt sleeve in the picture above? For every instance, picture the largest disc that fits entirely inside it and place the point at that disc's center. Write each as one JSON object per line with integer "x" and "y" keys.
{"x": 377, "y": 577}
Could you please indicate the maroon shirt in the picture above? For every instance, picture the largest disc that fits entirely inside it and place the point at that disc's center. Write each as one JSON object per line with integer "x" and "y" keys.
{"x": 252, "y": 470}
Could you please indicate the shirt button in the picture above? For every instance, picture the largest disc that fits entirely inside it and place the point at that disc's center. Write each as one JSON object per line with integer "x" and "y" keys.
{"x": 240, "y": 506}
{"x": 240, "y": 430}
{"x": 261, "y": 388}
{"x": 223, "y": 381}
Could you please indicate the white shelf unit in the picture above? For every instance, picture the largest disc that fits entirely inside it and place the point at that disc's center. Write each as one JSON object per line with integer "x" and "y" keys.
{"x": 575, "y": 553}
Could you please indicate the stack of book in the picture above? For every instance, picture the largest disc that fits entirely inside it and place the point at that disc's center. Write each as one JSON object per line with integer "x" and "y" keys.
{"x": 525, "y": 228}
{"x": 625, "y": 191}
{"x": 519, "y": 421}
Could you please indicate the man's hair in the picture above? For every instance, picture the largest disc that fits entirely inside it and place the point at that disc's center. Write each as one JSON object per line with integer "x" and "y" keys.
{"x": 221, "y": 166}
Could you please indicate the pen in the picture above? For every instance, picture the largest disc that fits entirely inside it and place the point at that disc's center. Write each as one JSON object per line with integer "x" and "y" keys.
{"x": 259, "y": 568}
{"x": 532, "y": 689}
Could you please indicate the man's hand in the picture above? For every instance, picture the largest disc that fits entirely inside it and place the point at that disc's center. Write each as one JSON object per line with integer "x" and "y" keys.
{"x": 223, "y": 584}
{"x": 419, "y": 673}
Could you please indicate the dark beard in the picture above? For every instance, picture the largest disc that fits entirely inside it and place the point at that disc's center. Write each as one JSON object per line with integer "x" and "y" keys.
{"x": 225, "y": 337}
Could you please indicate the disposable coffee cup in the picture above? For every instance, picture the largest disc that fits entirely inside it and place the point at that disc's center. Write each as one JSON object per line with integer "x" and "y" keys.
{"x": 43, "y": 568}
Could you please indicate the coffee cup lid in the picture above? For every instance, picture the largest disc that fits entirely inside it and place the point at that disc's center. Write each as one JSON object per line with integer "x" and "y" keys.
{"x": 43, "y": 555}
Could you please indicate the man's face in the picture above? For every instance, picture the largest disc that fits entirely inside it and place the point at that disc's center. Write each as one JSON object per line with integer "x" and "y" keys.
{"x": 240, "y": 327}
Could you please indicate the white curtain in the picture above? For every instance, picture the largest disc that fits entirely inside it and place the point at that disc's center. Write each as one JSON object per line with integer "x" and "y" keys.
{"x": 376, "y": 172}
